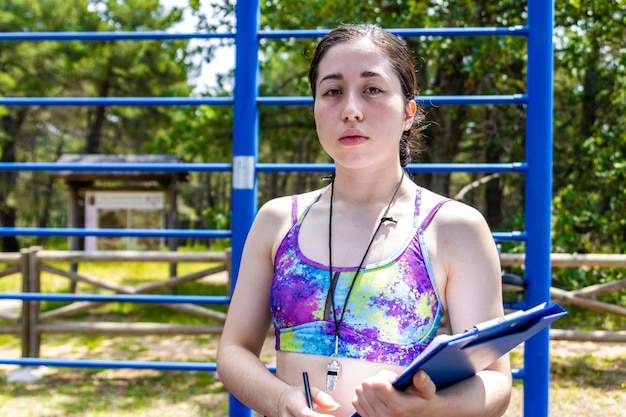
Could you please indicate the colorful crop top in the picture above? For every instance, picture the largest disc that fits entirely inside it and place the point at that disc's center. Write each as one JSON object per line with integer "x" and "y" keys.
{"x": 392, "y": 314}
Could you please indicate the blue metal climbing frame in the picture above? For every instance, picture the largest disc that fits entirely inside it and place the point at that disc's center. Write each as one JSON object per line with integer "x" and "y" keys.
{"x": 537, "y": 168}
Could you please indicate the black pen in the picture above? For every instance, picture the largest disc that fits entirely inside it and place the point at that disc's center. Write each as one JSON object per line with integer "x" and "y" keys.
{"x": 307, "y": 389}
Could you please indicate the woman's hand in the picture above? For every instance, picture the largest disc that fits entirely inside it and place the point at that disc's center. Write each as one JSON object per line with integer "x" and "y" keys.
{"x": 376, "y": 397}
{"x": 292, "y": 403}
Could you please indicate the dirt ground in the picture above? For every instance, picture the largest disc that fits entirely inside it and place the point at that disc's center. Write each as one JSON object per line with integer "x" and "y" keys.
{"x": 576, "y": 402}
{"x": 567, "y": 396}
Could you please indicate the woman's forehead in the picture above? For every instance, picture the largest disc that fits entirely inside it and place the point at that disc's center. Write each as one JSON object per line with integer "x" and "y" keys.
{"x": 362, "y": 55}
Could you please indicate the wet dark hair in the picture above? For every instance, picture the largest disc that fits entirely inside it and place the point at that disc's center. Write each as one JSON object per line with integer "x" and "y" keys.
{"x": 401, "y": 60}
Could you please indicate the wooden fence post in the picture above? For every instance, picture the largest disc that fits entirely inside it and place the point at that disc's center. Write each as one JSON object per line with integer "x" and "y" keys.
{"x": 25, "y": 316}
{"x": 35, "y": 306}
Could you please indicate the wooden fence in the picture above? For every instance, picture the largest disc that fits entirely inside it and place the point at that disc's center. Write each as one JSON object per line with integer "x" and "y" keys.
{"x": 583, "y": 297}
{"x": 30, "y": 322}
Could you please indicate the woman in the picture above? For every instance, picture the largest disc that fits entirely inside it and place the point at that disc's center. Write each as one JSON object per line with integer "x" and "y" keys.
{"x": 355, "y": 276}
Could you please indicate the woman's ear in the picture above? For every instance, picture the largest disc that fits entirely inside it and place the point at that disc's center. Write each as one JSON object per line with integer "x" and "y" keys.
{"x": 409, "y": 114}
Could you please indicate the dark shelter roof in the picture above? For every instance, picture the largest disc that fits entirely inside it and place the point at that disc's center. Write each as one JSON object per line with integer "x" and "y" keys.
{"x": 130, "y": 175}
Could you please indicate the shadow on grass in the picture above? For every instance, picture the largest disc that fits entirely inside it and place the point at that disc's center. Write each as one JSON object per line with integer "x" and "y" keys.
{"x": 123, "y": 392}
{"x": 589, "y": 370}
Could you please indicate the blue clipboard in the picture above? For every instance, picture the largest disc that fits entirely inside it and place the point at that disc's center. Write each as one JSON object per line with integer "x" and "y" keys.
{"x": 452, "y": 358}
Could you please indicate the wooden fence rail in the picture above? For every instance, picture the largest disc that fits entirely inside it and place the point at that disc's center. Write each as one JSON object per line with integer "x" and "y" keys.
{"x": 30, "y": 322}
{"x": 583, "y": 297}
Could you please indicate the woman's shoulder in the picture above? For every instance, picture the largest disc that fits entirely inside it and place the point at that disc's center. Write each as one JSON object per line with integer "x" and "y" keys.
{"x": 280, "y": 208}
{"x": 462, "y": 231}
{"x": 276, "y": 217}
{"x": 450, "y": 211}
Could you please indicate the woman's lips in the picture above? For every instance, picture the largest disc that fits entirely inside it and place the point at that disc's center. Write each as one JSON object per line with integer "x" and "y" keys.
{"x": 352, "y": 137}
{"x": 352, "y": 140}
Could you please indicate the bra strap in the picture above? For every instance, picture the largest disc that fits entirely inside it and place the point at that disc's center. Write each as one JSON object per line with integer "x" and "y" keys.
{"x": 294, "y": 209}
{"x": 432, "y": 213}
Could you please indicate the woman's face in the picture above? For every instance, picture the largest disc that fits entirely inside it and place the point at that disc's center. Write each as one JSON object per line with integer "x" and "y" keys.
{"x": 360, "y": 110}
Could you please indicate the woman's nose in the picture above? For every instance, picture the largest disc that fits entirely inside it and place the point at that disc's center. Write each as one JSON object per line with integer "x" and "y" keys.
{"x": 352, "y": 110}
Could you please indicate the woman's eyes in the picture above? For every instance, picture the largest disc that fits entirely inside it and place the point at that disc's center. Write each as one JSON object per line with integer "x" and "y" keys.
{"x": 332, "y": 92}
{"x": 373, "y": 90}
{"x": 368, "y": 90}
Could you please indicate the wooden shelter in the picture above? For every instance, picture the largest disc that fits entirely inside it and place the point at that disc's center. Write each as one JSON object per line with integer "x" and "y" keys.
{"x": 81, "y": 181}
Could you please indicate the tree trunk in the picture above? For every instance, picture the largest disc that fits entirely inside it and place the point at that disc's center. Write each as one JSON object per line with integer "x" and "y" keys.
{"x": 97, "y": 117}
{"x": 11, "y": 125}
{"x": 445, "y": 135}
{"x": 590, "y": 91}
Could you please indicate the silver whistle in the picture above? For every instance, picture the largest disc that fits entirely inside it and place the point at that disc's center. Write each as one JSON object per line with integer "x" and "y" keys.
{"x": 332, "y": 374}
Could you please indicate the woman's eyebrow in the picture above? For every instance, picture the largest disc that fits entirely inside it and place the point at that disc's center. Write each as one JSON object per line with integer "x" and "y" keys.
{"x": 333, "y": 76}
{"x": 339, "y": 76}
{"x": 370, "y": 74}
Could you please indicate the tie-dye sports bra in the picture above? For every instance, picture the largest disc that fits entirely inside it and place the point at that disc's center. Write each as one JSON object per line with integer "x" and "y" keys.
{"x": 392, "y": 314}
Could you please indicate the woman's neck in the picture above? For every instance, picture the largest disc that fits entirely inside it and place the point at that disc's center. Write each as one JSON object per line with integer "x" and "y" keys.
{"x": 366, "y": 187}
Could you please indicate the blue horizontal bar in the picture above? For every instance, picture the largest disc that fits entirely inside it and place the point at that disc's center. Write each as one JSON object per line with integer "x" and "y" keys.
{"x": 514, "y": 236}
{"x": 114, "y": 166}
{"x": 113, "y": 364}
{"x": 108, "y": 36}
{"x": 115, "y": 101}
{"x": 468, "y": 167}
{"x": 516, "y": 305}
{"x": 68, "y": 231}
{"x": 518, "y": 373}
{"x": 119, "y": 298}
{"x": 228, "y": 101}
{"x": 294, "y": 167}
{"x": 477, "y": 99}
{"x": 423, "y": 100}
{"x": 262, "y": 167}
{"x": 412, "y": 32}
{"x": 267, "y": 34}
{"x": 117, "y": 364}
{"x": 285, "y": 100}
{"x": 414, "y": 167}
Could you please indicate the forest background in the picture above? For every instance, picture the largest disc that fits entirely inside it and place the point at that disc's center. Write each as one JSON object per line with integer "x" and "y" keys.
{"x": 589, "y": 107}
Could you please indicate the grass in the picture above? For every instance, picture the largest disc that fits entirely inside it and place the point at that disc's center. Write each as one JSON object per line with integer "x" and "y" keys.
{"x": 584, "y": 381}
{"x": 116, "y": 393}
{"x": 130, "y": 274}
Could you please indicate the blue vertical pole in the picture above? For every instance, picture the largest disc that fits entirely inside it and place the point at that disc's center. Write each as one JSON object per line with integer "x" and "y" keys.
{"x": 539, "y": 121}
{"x": 245, "y": 142}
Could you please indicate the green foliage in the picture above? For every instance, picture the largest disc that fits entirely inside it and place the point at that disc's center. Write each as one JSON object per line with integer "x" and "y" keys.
{"x": 589, "y": 99}
{"x": 590, "y": 137}
{"x": 81, "y": 68}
